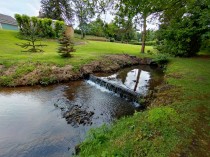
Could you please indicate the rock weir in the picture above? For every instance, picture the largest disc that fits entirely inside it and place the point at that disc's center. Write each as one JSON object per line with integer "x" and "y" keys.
{"x": 121, "y": 91}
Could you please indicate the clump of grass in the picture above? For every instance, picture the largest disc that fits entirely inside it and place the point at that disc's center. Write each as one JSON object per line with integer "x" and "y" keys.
{"x": 23, "y": 69}
{"x": 139, "y": 135}
{"x": 6, "y": 80}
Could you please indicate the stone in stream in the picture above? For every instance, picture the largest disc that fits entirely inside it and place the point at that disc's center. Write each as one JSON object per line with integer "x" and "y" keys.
{"x": 77, "y": 116}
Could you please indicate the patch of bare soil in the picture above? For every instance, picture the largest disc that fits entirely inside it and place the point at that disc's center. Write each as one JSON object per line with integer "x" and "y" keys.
{"x": 47, "y": 75}
{"x": 113, "y": 63}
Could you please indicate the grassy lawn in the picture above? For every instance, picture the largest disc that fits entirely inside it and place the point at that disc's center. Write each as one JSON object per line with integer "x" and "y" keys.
{"x": 179, "y": 129}
{"x": 11, "y": 54}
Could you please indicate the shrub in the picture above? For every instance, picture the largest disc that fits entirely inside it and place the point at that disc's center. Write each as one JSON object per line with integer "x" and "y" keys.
{"x": 44, "y": 27}
{"x": 161, "y": 59}
{"x": 112, "y": 40}
{"x": 59, "y": 26}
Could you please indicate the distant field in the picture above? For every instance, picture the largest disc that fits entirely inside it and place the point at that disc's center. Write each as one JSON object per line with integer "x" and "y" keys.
{"x": 90, "y": 37}
{"x": 11, "y": 54}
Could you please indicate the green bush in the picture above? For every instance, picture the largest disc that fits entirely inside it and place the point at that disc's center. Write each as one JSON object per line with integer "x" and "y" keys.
{"x": 161, "y": 59}
{"x": 112, "y": 40}
{"x": 59, "y": 27}
{"x": 45, "y": 28}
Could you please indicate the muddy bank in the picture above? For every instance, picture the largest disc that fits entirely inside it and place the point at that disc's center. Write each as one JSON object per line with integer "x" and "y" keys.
{"x": 49, "y": 74}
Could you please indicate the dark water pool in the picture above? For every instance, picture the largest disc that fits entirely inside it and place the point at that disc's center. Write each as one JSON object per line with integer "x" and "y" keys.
{"x": 31, "y": 122}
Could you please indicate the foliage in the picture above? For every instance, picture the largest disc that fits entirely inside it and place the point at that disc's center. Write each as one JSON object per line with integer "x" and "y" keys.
{"x": 44, "y": 28}
{"x": 125, "y": 27}
{"x": 206, "y": 41}
{"x": 111, "y": 30}
{"x": 181, "y": 34}
{"x": 141, "y": 9}
{"x": 151, "y": 35}
{"x": 84, "y": 13}
{"x": 59, "y": 26}
{"x": 66, "y": 46}
{"x": 57, "y": 10}
{"x": 96, "y": 28}
{"x": 161, "y": 59}
{"x": 29, "y": 31}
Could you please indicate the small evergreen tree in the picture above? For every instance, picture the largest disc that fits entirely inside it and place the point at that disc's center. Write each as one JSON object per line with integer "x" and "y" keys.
{"x": 66, "y": 46}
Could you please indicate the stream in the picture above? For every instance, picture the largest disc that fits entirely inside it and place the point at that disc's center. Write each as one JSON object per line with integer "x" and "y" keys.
{"x": 31, "y": 118}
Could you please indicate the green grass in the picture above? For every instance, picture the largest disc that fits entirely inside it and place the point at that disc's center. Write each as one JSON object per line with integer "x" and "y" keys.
{"x": 11, "y": 54}
{"x": 180, "y": 129}
{"x": 90, "y": 37}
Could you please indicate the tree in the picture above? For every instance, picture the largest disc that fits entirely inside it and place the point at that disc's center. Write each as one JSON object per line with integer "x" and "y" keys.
{"x": 126, "y": 30}
{"x": 30, "y": 35}
{"x": 142, "y": 8}
{"x": 110, "y": 30}
{"x": 66, "y": 46}
{"x": 57, "y": 10}
{"x": 84, "y": 13}
{"x": 183, "y": 25}
{"x": 96, "y": 27}
{"x": 101, "y": 6}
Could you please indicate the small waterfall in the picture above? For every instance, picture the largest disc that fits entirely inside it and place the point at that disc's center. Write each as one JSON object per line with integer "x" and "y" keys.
{"x": 122, "y": 92}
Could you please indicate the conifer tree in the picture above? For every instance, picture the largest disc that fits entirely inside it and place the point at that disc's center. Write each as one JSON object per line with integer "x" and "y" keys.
{"x": 66, "y": 46}
{"x": 57, "y": 10}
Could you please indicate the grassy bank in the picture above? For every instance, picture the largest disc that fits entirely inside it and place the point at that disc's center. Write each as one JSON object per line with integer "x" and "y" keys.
{"x": 178, "y": 128}
{"x": 15, "y": 64}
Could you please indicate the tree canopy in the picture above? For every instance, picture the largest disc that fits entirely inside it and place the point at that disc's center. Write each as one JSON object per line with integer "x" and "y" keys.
{"x": 183, "y": 24}
{"x": 57, "y": 10}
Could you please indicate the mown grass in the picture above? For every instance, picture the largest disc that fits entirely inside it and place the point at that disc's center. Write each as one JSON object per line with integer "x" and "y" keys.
{"x": 180, "y": 129}
{"x": 90, "y": 37}
{"x": 10, "y": 53}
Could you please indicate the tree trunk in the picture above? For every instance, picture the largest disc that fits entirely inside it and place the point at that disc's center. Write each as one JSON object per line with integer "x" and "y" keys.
{"x": 82, "y": 34}
{"x": 144, "y": 34}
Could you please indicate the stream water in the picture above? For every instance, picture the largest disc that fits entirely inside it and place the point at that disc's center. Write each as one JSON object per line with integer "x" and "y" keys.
{"x": 31, "y": 120}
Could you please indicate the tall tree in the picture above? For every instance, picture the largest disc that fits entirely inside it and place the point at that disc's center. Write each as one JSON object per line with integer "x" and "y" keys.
{"x": 126, "y": 30}
{"x": 142, "y": 8}
{"x": 84, "y": 12}
{"x": 96, "y": 27}
{"x": 57, "y": 10}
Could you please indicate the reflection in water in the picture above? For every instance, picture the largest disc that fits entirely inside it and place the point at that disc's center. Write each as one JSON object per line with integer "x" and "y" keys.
{"x": 139, "y": 79}
{"x": 31, "y": 123}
